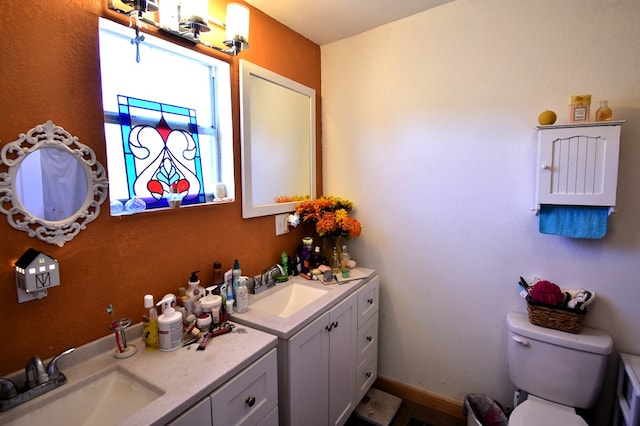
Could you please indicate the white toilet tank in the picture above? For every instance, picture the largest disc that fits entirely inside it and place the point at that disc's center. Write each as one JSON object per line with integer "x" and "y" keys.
{"x": 555, "y": 365}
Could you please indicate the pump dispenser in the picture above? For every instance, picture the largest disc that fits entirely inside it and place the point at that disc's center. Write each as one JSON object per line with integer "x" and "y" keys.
{"x": 169, "y": 325}
{"x": 195, "y": 290}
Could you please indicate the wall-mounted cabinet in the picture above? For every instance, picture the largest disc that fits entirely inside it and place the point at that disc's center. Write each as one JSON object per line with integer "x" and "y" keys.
{"x": 578, "y": 164}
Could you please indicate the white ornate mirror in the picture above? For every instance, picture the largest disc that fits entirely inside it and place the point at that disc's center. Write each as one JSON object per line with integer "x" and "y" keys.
{"x": 278, "y": 140}
{"x": 51, "y": 185}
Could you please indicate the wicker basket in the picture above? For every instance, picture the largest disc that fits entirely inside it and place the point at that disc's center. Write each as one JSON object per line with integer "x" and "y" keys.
{"x": 564, "y": 319}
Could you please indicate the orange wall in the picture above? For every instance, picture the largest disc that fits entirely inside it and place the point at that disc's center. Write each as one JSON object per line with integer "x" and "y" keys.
{"x": 49, "y": 70}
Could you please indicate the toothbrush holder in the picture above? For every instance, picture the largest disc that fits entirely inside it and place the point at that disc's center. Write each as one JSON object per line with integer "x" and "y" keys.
{"x": 119, "y": 328}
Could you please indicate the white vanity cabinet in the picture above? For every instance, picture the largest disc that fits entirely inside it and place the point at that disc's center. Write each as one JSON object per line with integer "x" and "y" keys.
{"x": 249, "y": 398}
{"x": 367, "y": 372}
{"x": 326, "y": 368}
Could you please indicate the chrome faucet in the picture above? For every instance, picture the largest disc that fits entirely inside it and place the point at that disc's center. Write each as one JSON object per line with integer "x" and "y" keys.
{"x": 35, "y": 372}
{"x": 38, "y": 381}
{"x": 267, "y": 278}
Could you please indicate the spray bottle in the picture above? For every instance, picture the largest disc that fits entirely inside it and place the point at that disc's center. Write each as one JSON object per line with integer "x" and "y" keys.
{"x": 169, "y": 325}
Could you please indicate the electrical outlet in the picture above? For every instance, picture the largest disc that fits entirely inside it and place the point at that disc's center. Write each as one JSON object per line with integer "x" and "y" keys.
{"x": 282, "y": 225}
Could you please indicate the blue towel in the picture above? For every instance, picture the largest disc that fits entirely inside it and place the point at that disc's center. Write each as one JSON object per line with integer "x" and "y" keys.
{"x": 574, "y": 221}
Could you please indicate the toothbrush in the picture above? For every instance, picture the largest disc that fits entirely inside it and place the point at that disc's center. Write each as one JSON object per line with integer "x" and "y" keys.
{"x": 114, "y": 327}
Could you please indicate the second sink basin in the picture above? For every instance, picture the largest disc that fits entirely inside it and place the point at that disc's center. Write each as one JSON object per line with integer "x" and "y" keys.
{"x": 104, "y": 399}
{"x": 286, "y": 299}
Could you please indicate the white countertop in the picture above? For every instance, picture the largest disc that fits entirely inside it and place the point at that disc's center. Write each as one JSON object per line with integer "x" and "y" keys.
{"x": 284, "y": 328}
{"x": 184, "y": 376}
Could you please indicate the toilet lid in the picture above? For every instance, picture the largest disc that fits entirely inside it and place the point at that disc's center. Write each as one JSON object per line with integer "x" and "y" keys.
{"x": 535, "y": 411}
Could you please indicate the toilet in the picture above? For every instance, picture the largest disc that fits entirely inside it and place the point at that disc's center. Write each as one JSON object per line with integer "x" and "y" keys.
{"x": 559, "y": 371}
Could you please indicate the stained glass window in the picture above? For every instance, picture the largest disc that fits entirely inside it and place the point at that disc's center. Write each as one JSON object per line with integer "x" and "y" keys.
{"x": 160, "y": 158}
{"x": 167, "y": 123}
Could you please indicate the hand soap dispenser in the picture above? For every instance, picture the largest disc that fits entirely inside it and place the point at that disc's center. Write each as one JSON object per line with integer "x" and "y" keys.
{"x": 169, "y": 325}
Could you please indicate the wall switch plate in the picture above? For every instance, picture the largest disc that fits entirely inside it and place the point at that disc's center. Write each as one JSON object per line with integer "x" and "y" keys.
{"x": 282, "y": 225}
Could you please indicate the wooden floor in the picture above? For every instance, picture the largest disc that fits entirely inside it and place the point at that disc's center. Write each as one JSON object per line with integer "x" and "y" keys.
{"x": 412, "y": 414}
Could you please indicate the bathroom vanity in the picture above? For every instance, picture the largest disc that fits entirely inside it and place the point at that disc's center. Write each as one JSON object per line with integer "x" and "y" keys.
{"x": 331, "y": 343}
{"x": 236, "y": 371}
{"x": 324, "y": 335}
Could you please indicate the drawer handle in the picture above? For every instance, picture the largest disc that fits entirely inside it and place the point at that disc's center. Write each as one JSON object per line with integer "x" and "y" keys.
{"x": 370, "y": 301}
{"x": 250, "y": 401}
{"x": 369, "y": 338}
{"x": 335, "y": 324}
{"x": 369, "y": 374}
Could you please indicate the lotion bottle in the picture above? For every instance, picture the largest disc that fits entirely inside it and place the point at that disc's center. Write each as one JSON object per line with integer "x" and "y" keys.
{"x": 169, "y": 325}
{"x": 195, "y": 291}
{"x": 242, "y": 297}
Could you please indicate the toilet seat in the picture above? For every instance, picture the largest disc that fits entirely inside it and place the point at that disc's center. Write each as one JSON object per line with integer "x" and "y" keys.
{"x": 536, "y": 411}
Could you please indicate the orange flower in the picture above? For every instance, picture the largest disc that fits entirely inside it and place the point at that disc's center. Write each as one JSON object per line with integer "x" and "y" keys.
{"x": 330, "y": 216}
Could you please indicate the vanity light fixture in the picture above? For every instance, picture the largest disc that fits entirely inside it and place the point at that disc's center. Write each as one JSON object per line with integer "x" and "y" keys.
{"x": 35, "y": 272}
{"x": 188, "y": 19}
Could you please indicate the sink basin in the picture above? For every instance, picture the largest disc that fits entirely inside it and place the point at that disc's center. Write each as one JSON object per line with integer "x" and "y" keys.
{"x": 286, "y": 299}
{"x": 103, "y": 399}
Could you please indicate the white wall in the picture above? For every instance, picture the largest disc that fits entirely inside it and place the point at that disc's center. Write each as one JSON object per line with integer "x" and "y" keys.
{"x": 429, "y": 127}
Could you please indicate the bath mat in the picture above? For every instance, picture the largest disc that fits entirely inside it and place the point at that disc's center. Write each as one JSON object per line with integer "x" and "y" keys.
{"x": 378, "y": 407}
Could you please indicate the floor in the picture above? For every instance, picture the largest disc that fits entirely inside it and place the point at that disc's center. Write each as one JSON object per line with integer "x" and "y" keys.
{"x": 412, "y": 414}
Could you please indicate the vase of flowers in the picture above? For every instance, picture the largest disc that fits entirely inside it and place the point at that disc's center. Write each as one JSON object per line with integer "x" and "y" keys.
{"x": 331, "y": 220}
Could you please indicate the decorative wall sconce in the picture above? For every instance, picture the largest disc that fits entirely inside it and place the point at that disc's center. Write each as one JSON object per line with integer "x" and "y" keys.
{"x": 188, "y": 19}
{"x": 35, "y": 272}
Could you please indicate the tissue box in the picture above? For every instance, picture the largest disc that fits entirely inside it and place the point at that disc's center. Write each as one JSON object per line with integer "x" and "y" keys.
{"x": 579, "y": 108}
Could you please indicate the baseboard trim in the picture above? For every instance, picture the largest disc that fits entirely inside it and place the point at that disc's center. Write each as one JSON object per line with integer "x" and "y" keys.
{"x": 419, "y": 396}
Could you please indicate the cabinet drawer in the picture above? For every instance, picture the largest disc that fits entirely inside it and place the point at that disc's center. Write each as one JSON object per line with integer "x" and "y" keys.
{"x": 366, "y": 374}
{"x": 198, "y": 415}
{"x": 271, "y": 419}
{"x": 249, "y": 396}
{"x": 368, "y": 299}
{"x": 367, "y": 339}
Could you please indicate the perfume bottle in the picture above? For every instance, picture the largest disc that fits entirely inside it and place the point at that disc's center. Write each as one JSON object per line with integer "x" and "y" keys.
{"x": 604, "y": 113}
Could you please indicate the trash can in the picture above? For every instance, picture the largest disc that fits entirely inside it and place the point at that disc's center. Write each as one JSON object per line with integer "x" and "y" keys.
{"x": 483, "y": 411}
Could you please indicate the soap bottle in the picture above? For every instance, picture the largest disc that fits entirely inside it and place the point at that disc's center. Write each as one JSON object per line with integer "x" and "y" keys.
{"x": 169, "y": 325}
{"x": 284, "y": 262}
{"x": 236, "y": 273}
{"x": 345, "y": 257}
{"x": 604, "y": 113}
{"x": 150, "y": 324}
{"x": 335, "y": 262}
{"x": 218, "y": 278}
{"x": 317, "y": 258}
{"x": 242, "y": 297}
{"x": 195, "y": 291}
{"x": 230, "y": 298}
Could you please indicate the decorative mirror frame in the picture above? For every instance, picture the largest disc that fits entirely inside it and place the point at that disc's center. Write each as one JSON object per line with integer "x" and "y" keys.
{"x": 249, "y": 71}
{"x": 11, "y": 157}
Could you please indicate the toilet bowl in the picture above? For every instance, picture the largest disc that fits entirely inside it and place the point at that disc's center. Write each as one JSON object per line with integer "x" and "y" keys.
{"x": 559, "y": 371}
{"x": 537, "y": 411}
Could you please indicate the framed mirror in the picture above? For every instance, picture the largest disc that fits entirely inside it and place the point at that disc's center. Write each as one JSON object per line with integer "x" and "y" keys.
{"x": 51, "y": 185}
{"x": 278, "y": 132}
